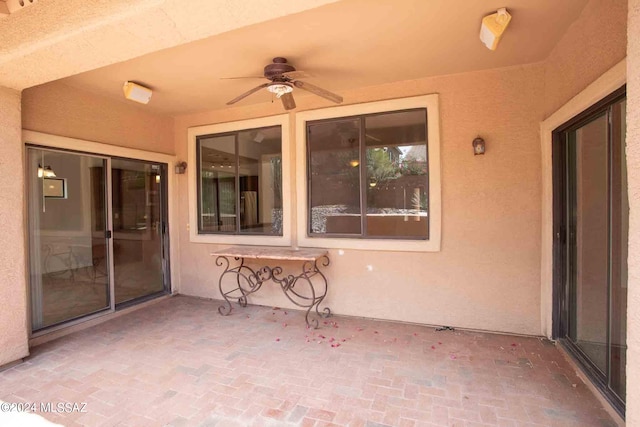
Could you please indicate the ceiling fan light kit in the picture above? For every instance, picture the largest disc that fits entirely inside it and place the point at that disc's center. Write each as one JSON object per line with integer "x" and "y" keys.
{"x": 283, "y": 78}
{"x": 280, "y": 89}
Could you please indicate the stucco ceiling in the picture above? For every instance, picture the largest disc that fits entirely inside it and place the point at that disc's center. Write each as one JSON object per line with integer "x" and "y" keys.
{"x": 53, "y": 39}
{"x": 344, "y": 45}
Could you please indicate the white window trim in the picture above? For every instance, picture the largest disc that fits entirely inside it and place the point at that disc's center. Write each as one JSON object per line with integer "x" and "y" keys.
{"x": 236, "y": 239}
{"x": 430, "y": 102}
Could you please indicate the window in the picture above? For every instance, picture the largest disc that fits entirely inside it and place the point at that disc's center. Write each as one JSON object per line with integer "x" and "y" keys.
{"x": 372, "y": 176}
{"x": 368, "y": 176}
{"x": 240, "y": 182}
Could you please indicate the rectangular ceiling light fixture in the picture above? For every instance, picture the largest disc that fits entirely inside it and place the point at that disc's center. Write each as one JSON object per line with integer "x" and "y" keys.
{"x": 493, "y": 27}
{"x": 137, "y": 93}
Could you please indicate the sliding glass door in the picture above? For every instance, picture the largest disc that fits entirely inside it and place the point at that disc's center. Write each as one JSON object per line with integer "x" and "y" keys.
{"x": 138, "y": 229}
{"x": 69, "y": 259}
{"x": 97, "y": 234}
{"x": 592, "y": 232}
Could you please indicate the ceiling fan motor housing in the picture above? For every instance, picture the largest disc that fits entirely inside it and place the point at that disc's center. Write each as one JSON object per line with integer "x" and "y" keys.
{"x": 279, "y": 66}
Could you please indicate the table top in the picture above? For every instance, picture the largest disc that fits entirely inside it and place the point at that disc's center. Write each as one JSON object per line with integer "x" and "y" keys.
{"x": 272, "y": 252}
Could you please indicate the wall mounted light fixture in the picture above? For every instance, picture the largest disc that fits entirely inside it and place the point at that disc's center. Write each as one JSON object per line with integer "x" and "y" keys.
{"x": 478, "y": 146}
{"x": 181, "y": 168}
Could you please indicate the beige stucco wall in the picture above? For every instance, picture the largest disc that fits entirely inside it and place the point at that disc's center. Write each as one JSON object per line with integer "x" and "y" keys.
{"x": 594, "y": 43}
{"x": 487, "y": 274}
{"x": 633, "y": 170}
{"x": 59, "y": 109}
{"x": 13, "y": 289}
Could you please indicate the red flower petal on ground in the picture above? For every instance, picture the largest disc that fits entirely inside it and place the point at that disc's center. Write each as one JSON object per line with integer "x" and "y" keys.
{"x": 277, "y": 339}
{"x": 433, "y": 347}
{"x": 439, "y": 343}
{"x": 514, "y": 345}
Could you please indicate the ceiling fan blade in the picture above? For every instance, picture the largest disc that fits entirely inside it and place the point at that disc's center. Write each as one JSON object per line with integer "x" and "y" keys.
{"x": 247, "y": 93}
{"x": 297, "y": 75}
{"x": 243, "y": 77}
{"x": 318, "y": 91}
{"x": 288, "y": 101}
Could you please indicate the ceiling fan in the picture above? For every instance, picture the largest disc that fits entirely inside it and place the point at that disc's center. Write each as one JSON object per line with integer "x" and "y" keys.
{"x": 283, "y": 78}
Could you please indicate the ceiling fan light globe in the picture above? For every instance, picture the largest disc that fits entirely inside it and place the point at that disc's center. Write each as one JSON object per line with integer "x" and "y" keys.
{"x": 280, "y": 89}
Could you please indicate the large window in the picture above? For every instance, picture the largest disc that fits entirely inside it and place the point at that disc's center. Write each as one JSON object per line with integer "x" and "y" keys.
{"x": 368, "y": 176}
{"x": 240, "y": 182}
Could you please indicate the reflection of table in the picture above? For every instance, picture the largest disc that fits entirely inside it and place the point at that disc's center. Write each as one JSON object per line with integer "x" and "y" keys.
{"x": 306, "y": 290}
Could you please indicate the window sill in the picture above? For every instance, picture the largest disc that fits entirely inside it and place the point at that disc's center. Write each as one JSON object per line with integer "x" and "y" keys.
{"x": 391, "y": 245}
{"x": 235, "y": 239}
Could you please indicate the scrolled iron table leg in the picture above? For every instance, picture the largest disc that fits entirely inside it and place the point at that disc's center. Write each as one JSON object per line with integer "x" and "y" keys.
{"x": 247, "y": 281}
{"x": 224, "y": 309}
{"x": 291, "y": 286}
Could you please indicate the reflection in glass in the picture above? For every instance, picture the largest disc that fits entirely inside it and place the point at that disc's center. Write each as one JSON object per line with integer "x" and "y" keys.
{"x": 334, "y": 167}
{"x": 260, "y": 180}
{"x": 397, "y": 164}
{"x": 137, "y": 229}
{"x": 589, "y": 305}
{"x": 69, "y": 274}
{"x": 241, "y": 182}
{"x": 376, "y": 164}
{"x": 218, "y": 184}
{"x": 619, "y": 252}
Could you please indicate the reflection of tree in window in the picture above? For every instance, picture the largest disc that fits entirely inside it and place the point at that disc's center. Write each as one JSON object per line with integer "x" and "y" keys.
{"x": 394, "y": 183}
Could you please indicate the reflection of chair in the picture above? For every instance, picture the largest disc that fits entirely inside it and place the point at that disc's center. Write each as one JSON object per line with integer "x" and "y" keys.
{"x": 59, "y": 263}
{"x": 75, "y": 262}
{"x": 99, "y": 259}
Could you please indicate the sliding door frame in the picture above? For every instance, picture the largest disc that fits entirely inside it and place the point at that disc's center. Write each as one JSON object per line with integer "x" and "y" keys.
{"x": 561, "y": 244}
{"x": 109, "y": 242}
{"x": 39, "y": 140}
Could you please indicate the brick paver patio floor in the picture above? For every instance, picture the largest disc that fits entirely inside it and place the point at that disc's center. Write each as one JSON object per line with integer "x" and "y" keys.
{"x": 180, "y": 363}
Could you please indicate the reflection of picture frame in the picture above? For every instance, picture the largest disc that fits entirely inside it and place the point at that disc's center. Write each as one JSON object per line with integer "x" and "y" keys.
{"x": 55, "y": 188}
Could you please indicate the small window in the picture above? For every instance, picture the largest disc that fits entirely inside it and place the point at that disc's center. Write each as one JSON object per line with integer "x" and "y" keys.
{"x": 369, "y": 176}
{"x": 240, "y": 182}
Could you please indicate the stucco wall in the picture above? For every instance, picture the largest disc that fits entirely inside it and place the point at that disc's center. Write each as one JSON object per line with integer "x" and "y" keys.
{"x": 487, "y": 275}
{"x": 59, "y": 109}
{"x": 594, "y": 43}
{"x": 633, "y": 170}
{"x": 13, "y": 289}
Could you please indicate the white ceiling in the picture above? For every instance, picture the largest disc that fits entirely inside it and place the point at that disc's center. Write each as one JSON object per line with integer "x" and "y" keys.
{"x": 344, "y": 45}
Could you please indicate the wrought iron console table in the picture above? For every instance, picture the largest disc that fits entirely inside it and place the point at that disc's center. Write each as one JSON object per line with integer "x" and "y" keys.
{"x": 306, "y": 290}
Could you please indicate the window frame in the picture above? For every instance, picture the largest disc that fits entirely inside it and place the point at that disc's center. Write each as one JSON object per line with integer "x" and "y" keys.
{"x": 362, "y": 152}
{"x": 193, "y": 133}
{"x": 432, "y": 244}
